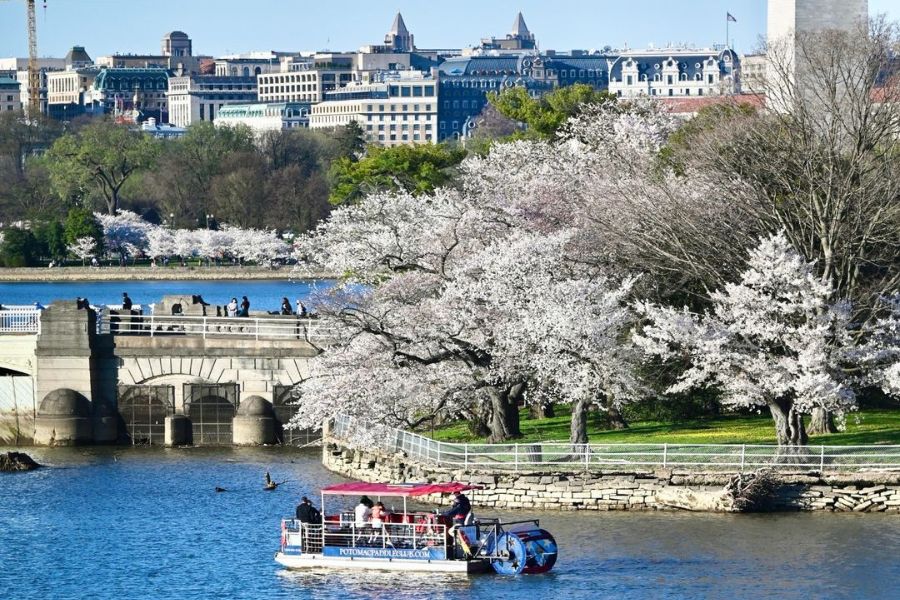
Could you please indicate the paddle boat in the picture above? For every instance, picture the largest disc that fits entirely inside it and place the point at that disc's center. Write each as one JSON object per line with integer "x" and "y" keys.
{"x": 408, "y": 540}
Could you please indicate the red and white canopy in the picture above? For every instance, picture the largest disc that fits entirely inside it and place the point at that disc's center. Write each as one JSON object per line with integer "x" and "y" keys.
{"x": 403, "y": 490}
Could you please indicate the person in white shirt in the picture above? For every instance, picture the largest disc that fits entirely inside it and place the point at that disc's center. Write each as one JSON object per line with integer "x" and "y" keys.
{"x": 363, "y": 511}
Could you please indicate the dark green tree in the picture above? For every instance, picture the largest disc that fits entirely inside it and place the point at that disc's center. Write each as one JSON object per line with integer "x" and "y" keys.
{"x": 81, "y": 223}
{"x": 351, "y": 140}
{"x": 415, "y": 169}
{"x": 101, "y": 156}
{"x": 51, "y": 239}
{"x": 545, "y": 115}
{"x": 18, "y": 249}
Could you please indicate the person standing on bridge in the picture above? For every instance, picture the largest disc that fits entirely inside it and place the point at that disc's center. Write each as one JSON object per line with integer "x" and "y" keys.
{"x": 245, "y": 307}
{"x": 286, "y": 306}
{"x": 232, "y": 307}
{"x": 126, "y": 301}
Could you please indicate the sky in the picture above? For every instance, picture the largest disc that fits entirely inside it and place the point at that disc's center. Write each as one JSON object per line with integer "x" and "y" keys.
{"x": 220, "y": 27}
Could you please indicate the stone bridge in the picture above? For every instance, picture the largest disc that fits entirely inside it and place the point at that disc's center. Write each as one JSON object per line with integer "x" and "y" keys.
{"x": 75, "y": 375}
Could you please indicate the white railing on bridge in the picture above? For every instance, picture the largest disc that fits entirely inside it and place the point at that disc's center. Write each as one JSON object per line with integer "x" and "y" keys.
{"x": 566, "y": 456}
{"x": 258, "y": 328}
{"x": 20, "y": 319}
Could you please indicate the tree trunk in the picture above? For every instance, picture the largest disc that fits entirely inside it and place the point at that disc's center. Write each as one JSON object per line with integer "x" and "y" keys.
{"x": 615, "y": 418}
{"x": 504, "y": 422}
{"x": 541, "y": 410}
{"x": 821, "y": 422}
{"x": 789, "y": 429}
{"x": 578, "y": 428}
{"x": 479, "y": 421}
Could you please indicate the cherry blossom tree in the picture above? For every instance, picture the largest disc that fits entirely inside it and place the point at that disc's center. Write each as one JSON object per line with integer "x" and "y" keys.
{"x": 84, "y": 248}
{"x": 124, "y": 232}
{"x": 774, "y": 339}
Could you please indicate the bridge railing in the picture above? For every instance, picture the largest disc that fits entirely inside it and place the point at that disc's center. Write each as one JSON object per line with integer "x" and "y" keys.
{"x": 567, "y": 456}
{"x": 258, "y": 328}
{"x": 20, "y": 319}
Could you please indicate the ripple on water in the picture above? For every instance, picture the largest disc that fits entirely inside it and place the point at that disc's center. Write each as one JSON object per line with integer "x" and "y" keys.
{"x": 103, "y": 522}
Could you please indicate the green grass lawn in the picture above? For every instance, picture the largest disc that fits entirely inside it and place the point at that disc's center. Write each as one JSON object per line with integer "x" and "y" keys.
{"x": 875, "y": 426}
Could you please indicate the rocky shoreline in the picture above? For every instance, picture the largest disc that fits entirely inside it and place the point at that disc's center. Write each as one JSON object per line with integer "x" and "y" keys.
{"x": 627, "y": 490}
{"x": 147, "y": 274}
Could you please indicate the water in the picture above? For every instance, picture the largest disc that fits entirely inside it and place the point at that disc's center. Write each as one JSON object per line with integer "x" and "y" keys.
{"x": 139, "y": 523}
{"x": 263, "y": 294}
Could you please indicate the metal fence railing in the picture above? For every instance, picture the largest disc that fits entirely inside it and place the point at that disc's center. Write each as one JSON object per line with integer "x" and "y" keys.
{"x": 27, "y": 320}
{"x": 20, "y": 319}
{"x": 567, "y": 456}
{"x": 259, "y": 328}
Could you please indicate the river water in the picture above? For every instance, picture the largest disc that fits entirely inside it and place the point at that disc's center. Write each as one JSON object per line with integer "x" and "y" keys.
{"x": 263, "y": 294}
{"x": 147, "y": 523}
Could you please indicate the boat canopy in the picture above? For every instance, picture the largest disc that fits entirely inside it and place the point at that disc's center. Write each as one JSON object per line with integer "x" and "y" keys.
{"x": 403, "y": 490}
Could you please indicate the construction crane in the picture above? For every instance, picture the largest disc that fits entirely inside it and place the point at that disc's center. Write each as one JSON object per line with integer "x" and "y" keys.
{"x": 34, "y": 73}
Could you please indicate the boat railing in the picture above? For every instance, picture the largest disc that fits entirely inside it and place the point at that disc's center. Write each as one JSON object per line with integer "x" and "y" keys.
{"x": 339, "y": 533}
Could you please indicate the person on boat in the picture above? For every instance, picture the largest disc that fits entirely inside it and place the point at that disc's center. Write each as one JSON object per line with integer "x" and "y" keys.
{"x": 460, "y": 509}
{"x": 379, "y": 514}
{"x": 307, "y": 513}
{"x": 363, "y": 511}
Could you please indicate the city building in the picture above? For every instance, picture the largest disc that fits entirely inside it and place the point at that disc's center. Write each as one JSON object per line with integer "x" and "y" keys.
{"x": 176, "y": 53}
{"x": 162, "y": 131}
{"x": 9, "y": 95}
{"x": 129, "y": 90}
{"x": 67, "y": 91}
{"x": 254, "y": 63}
{"x": 261, "y": 118}
{"x": 307, "y": 80}
{"x": 674, "y": 72}
{"x": 516, "y": 41}
{"x": 753, "y": 74}
{"x": 176, "y": 43}
{"x": 401, "y": 109}
{"x": 17, "y": 68}
{"x": 399, "y": 39}
{"x": 194, "y": 98}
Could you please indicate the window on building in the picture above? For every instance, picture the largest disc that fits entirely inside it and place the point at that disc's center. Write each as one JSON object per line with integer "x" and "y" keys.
{"x": 454, "y": 125}
{"x": 405, "y": 91}
{"x": 669, "y": 79}
{"x": 671, "y": 92}
{"x": 417, "y": 91}
{"x": 629, "y": 81}
{"x": 709, "y": 78}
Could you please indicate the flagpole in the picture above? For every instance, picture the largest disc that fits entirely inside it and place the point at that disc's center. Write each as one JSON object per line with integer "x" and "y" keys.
{"x": 727, "y": 31}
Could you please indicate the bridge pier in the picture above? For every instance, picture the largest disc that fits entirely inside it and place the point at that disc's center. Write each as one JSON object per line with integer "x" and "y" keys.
{"x": 69, "y": 377}
{"x": 178, "y": 431}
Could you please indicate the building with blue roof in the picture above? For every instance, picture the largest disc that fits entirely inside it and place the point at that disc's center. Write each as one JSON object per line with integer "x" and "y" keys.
{"x": 117, "y": 91}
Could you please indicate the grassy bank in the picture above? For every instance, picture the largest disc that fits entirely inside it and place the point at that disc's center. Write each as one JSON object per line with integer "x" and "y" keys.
{"x": 880, "y": 426}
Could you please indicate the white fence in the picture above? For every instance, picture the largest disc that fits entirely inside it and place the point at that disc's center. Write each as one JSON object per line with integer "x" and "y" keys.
{"x": 272, "y": 328}
{"x": 565, "y": 456}
{"x": 20, "y": 319}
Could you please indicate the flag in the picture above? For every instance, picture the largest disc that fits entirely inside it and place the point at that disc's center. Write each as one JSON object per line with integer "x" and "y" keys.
{"x": 731, "y": 18}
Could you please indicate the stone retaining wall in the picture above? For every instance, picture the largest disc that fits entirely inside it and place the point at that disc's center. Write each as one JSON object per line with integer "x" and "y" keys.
{"x": 662, "y": 489}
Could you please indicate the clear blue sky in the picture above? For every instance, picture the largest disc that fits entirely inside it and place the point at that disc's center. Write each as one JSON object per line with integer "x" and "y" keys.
{"x": 222, "y": 26}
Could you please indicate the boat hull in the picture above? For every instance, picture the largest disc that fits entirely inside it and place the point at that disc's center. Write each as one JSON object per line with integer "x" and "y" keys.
{"x": 318, "y": 561}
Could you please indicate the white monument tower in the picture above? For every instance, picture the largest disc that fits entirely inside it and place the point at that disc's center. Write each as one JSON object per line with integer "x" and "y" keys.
{"x": 789, "y": 19}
